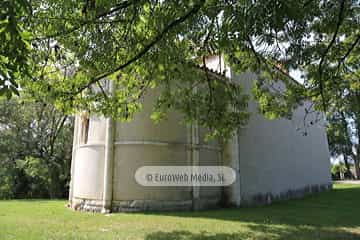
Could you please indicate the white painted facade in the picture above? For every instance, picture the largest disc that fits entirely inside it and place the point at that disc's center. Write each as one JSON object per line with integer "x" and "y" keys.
{"x": 273, "y": 160}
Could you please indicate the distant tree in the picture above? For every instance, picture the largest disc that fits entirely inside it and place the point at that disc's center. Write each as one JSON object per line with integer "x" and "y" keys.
{"x": 343, "y": 110}
{"x": 35, "y": 149}
{"x": 339, "y": 138}
{"x": 338, "y": 170}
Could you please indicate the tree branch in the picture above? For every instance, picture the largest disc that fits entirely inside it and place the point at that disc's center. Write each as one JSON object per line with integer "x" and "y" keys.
{"x": 320, "y": 70}
{"x": 83, "y": 23}
{"x": 53, "y": 138}
{"x": 353, "y": 45}
{"x": 146, "y": 48}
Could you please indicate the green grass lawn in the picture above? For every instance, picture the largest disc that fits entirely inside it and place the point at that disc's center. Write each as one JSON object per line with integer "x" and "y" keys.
{"x": 329, "y": 215}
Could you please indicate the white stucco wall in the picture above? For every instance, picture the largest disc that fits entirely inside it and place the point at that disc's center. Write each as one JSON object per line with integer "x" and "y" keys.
{"x": 89, "y": 172}
{"x": 142, "y": 142}
{"x": 275, "y": 156}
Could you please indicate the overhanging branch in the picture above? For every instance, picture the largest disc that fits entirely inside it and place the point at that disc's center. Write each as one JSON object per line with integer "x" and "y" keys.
{"x": 353, "y": 45}
{"x": 146, "y": 48}
{"x": 83, "y": 23}
{"x": 320, "y": 70}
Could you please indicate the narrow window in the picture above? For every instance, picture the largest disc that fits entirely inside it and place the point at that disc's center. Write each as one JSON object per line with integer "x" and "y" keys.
{"x": 85, "y": 121}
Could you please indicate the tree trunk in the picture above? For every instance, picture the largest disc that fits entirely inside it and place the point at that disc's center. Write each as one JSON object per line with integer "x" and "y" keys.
{"x": 357, "y": 159}
{"x": 348, "y": 145}
{"x": 348, "y": 173}
{"x": 357, "y": 168}
{"x": 357, "y": 126}
{"x": 55, "y": 185}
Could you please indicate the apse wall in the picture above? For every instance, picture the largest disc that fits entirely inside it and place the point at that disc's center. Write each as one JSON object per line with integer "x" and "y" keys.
{"x": 87, "y": 183}
{"x": 140, "y": 142}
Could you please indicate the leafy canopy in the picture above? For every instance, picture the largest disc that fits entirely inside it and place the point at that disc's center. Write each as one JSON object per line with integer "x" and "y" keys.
{"x": 140, "y": 45}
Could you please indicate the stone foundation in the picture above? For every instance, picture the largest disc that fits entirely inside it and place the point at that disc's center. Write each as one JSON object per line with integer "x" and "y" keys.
{"x": 151, "y": 205}
{"x": 145, "y": 205}
{"x": 197, "y": 204}
{"x": 88, "y": 205}
{"x": 268, "y": 198}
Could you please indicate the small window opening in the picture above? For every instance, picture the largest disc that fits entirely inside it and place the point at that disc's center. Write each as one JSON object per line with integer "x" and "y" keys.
{"x": 85, "y": 122}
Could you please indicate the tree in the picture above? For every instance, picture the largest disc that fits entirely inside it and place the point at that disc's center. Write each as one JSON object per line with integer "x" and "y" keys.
{"x": 35, "y": 149}
{"x": 338, "y": 171}
{"x": 339, "y": 139}
{"x": 14, "y": 48}
{"x": 141, "y": 44}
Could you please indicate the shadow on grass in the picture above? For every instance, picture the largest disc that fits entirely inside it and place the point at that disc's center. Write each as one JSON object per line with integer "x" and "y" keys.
{"x": 332, "y": 209}
{"x": 262, "y": 233}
